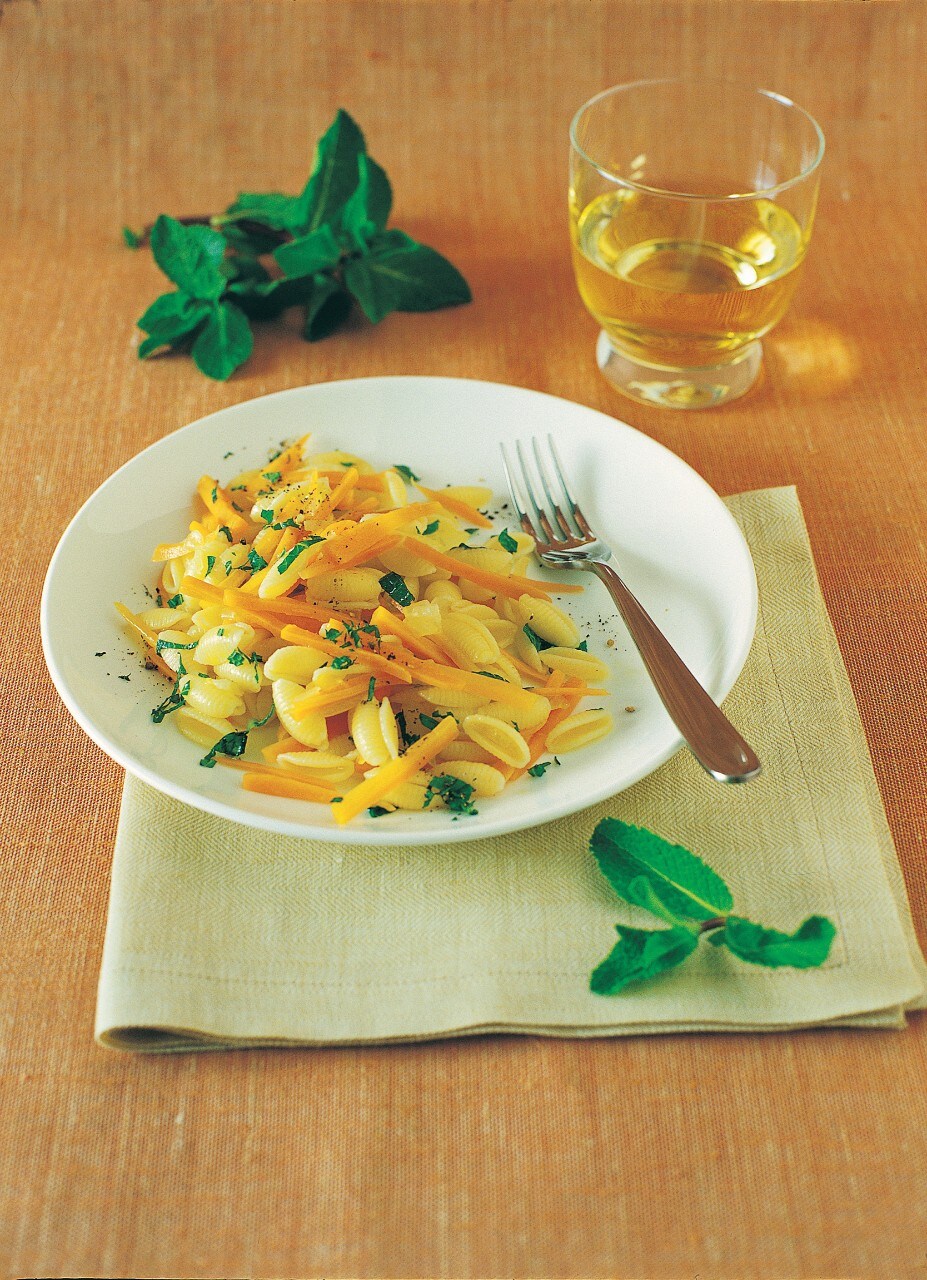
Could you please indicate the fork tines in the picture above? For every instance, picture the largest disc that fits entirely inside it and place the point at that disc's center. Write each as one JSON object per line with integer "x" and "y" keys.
{"x": 551, "y": 521}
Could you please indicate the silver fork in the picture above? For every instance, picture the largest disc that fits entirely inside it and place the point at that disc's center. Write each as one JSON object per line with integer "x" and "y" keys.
{"x": 565, "y": 539}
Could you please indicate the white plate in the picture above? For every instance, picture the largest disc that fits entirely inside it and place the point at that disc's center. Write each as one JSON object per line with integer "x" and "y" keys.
{"x": 677, "y": 545}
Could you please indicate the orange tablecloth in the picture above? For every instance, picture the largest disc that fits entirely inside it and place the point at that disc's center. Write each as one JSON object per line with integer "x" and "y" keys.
{"x": 803, "y": 1154}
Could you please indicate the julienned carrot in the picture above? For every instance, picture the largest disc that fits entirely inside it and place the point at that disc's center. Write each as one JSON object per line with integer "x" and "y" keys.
{"x": 421, "y": 646}
{"x": 444, "y": 677}
{"x": 350, "y": 550}
{"x": 538, "y": 741}
{"x": 457, "y": 507}
{"x": 284, "y": 785}
{"x": 371, "y": 790}
{"x": 220, "y": 503}
{"x": 395, "y": 667}
{"x": 285, "y": 607}
{"x": 511, "y": 585}
{"x": 292, "y": 772}
{"x": 349, "y": 692}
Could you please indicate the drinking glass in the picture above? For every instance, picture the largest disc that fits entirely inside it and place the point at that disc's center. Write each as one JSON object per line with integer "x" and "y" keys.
{"x": 691, "y": 207}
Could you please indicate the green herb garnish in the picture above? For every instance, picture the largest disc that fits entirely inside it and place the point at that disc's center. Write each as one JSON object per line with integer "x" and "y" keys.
{"x": 394, "y": 585}
{"x": 256, "y": 561}
{"x": 371, "y": 685}
{"x": 377, "y": 811}
{"x": 406, "y": 472}
{"x": 330, "y": 243}
{"x": 210, "y": 561}
{"x": 429, "y": 528}
{"x": 535, "y": 638}
{"x": 272, "y": 476}
{"x": 406, "y": 734}
{"x": 232, "y": 744}
{"x": 175, "y": 601}
{"x": 507, "y": 542}
{"x": 455, "y": 793}
{"x": 538, "y": 770}
{"x": 296, "y": 551}
{"x": 174, "y": 700}
{"x": 161, "y": 645}
{"x": 223, "y": 528}
{"x": 340, "y": 664}
{"x": 683, "y": 891}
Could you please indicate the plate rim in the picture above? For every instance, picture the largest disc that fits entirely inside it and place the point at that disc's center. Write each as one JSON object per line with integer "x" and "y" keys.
{"x": 489, "y": 827}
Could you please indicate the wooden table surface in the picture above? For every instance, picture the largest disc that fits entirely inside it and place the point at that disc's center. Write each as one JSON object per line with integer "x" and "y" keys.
{"x": 728, "y": 1155}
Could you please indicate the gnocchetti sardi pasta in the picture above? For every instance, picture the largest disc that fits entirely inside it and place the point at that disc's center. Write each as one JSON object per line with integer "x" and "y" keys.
{"x": 347, "y": 618}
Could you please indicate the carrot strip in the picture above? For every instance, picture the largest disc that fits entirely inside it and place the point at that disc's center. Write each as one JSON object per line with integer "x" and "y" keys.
{"x": 395, "y": 771}
{"x": 421, "y": 646}
{"x": 286, "y": 786}
{"x": 349, "y": 692}
{"x": 456, "y": 507}
{"x": 434, "y": 673}
{"x": 286, "y": 743}
{"x": 395, "y": 667}
{"x": 513, "y": 585}
{"x": 220, "y": 504}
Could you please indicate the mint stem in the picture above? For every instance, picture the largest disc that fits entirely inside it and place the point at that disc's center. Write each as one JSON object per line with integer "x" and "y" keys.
{"x": 717, "y": 922}
{"x": 249, "y": 225}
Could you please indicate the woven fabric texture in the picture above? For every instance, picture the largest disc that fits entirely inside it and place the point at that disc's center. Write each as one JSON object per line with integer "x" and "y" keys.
{"x": 220, "y": 935}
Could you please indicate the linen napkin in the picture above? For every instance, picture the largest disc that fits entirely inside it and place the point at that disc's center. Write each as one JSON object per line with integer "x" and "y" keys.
{"x": 221, "y": 936}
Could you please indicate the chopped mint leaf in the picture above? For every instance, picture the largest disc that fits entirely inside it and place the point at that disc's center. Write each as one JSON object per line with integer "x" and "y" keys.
{"x": 256, "y": 561}
{"x": 377, "y": 811}
{"x": 507, "y": 542}
{"x": 455, "y": 793}
{"x": 210, "y": 561}
{"x": 429, "y": 528}
{"x": 272, "y": 476}
{"x": 394, "y": 585}
{"x": 161, "y": 645}
{"x": 223, "y": 528}
{"x": 340, "y": 664}
{"x": 371, "y": 685}
{"x": 174, "y": 700}
{"x": 538, "y": 770}
{"x": 406, "y": 472}
{"x": 296, "y": 551}
{"x": 535, "y": 638}
{"x": 237, "y": 658}
{"x": 232, "y": 744}
{"x": 266, "y": 515}
{"x": 583, "y": 646}
{"x": 175, "y": 601}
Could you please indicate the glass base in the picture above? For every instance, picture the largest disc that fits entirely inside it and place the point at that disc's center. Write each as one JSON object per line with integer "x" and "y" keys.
{"x": 703, "y": 388}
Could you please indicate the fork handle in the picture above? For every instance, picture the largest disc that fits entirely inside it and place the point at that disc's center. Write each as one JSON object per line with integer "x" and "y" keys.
{"x": 711, "y": 737}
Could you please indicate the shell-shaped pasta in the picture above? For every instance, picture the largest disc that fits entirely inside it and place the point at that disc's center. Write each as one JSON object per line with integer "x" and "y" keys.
{"x": 423, "y": 617}
{"x": 324, "y": 765}
{"x": 347, "y": 588}
{"x": 575, "y": 662}
{"x": 389, "y": 728}
{"x": 492, "y": 558}
{"x": 505, "y": 667}
{"x": 472, "y": 645}
{"x": 371, "y": 742}
{"x": 483, "y": 778}
{"x": 396, "y": 494}
{"x": 202, "y": 729}
{"x": 219, "y": 643}
{"x": 330, "y": 677}
{"x": 528, "y": 718}
{"x": 549, "y": 622}
{"x": 474, "y": 495}
{"x": 173, "y": 574}
{"x": 526, "y": 652}
{"x": 443, "y": 593}
{"x": 461, "y": 749}
{"x": 450, "y": 699}
{"x": 213, "y": 699}
{"x": 335, "y": 458}
{"x": 278, "y": 580}
{"x": 299, "y": 501}
{"x": 499, "y": 738}
{"x": 247, "y": 676}
{"x": 175, "y": 657}
{"x": 472, "y": 591}
{"x": 213, "y": 615}
{"x": 310, "y": 730}
{"x": 295, "y": 663}
{"x": 579, "y": 730}
{"x": 503, "y": 631}
{"x": 402, "y": 560}
{"x": 164, "y": 619}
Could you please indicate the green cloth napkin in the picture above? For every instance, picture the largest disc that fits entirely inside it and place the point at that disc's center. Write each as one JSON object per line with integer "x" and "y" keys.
{"x": 221, "y": 936}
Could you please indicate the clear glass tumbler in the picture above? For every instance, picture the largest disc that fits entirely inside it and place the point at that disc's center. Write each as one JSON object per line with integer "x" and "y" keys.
{"x": 691, "y": 208}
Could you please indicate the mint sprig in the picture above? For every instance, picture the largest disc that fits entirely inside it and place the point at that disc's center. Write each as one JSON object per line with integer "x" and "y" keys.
{"x": 680, "y": 889}
{"x": 323, "y": 250}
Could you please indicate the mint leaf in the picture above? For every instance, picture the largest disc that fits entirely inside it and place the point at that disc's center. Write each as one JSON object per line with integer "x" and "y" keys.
{"x": 639, "y": 954}
{"x": 327, "y": 308}
{"x": 168, "y": 319}
{"x": 806, "y": 948}
{"x": 456, "y": 794}
{"x": 507, "y": 542}
{"x": 224, "y": 342}
{"x": 232, "y": 744}
{"x": 534, "y": 638}
{"x": 317, "y": 251}
{"x": 267, "y": 299}
{"x": 640, "y": 892}
{"x": 131, "y": 239}
{"x": 367, "y": 209}
{"x": 408, "y": 475}
{"x": 398, "y": 274}
{"x": 273, "y": 208}
{"x": 334, "y": 173}
{"x": 395, "y": 585}
{"x": 190, "y": 256}
{"x": 684, "y": 883}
